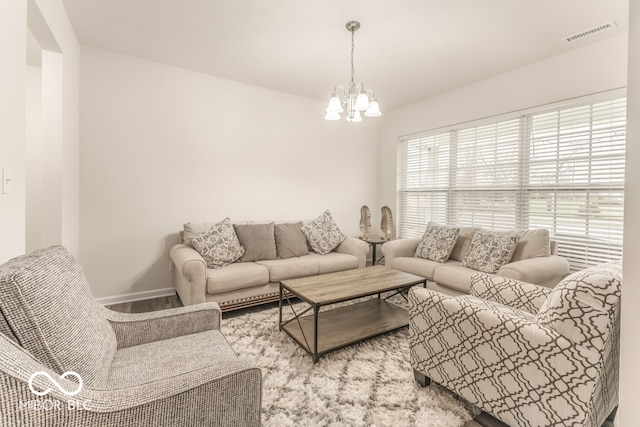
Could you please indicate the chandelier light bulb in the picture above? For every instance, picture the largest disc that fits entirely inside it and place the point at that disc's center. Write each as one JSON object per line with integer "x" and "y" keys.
{"x": 373, "y": 110}
{"x": 332, "y": 115}
{"x": 334, "y": 105}
{"x": 362, "y": 102}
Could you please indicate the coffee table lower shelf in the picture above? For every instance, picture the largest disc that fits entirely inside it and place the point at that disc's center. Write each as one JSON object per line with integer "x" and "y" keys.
{"x": 346, "y": 325}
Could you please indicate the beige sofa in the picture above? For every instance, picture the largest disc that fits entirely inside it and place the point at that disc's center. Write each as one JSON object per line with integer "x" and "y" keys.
{"x": 452, "y": 278}
{"x": 244, "y": 284}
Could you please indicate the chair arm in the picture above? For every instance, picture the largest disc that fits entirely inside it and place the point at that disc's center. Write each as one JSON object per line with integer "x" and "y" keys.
{"x": 355, "y": 247}
{"x": 190, "y": 274}
{"x": 139, "y": 328}
{"x": 511, "y": 292}
{"x": 228, "y": 390}
{"x": 399, "y": 248}
{"x": 546, "y": 271}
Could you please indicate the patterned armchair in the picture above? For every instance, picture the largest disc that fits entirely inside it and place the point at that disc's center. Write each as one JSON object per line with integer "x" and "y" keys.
{"x": 66, "y": 360}
{"x": 528, "y": 355}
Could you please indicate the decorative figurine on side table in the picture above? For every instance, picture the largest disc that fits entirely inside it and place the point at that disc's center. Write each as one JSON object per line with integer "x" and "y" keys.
{"x": 386, "y": 224}
{"x": 365, "y": 221}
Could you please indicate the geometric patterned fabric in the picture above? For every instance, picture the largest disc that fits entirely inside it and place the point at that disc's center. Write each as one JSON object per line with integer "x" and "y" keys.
{"x": 558, "y": 366}
{"x": 511, "y": 292}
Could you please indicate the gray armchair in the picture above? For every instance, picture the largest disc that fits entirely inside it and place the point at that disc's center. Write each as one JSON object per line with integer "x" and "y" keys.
{"x": 526, "y": 354}
{"x": 66, "y": 360}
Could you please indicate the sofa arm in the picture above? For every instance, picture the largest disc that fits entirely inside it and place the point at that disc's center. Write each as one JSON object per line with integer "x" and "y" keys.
{"x": 190, "y": 276}
{"x": 546, "y": 271}
{"x": 510, "y": 292}
{"x": 140, "y": 328}
{"x": 355, "y": 247}
{"x": 399, "y": 248}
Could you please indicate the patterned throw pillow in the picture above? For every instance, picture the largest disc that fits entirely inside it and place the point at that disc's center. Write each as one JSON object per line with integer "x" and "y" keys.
{"x": 323, "y": 234}
{"x": 490, "y": 250}
{"x": 437, "y": 242}
{"x": 219, "y": 245}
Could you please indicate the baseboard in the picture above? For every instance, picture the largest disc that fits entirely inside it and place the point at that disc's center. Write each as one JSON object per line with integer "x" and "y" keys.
{"x": 137, "y": 296}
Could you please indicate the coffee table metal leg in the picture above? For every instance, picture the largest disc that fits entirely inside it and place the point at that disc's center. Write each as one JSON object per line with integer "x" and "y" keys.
{"x": 315, "y": 333}
{"x": 280, "y": 308}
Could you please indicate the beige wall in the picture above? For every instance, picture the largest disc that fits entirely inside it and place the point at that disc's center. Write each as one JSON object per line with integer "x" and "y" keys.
{"x": 162, "y": 146}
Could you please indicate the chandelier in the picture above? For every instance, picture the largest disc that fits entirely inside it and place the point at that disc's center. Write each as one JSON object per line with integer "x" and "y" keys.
{"x": 355, "y": 98}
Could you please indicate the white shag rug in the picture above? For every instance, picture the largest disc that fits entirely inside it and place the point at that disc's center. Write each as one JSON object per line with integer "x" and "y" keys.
{"x": 366, "y": 384}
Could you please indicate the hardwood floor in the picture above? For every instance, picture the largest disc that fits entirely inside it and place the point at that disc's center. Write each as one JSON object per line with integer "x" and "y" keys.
{"x": 147, "y": 305}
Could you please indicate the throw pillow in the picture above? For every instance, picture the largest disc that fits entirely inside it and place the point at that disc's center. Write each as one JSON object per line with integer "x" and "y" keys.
{"x": 257, "y": 240}
{"x": 290, "y": 241}
{"x": 193, "y": 228}
{"x": 532, "y": 244}
{"x": 490, "y": 250}
{"x": 219, "y": 245}
{"x": 437, "y": 242}
{"x": 323, "y": 234}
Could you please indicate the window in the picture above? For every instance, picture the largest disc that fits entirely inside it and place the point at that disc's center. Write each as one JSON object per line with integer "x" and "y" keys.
{"x": 560, "y": 169}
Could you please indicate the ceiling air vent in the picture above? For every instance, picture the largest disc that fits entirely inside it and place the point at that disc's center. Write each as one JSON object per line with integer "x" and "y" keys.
{"x": 604, "y": 27}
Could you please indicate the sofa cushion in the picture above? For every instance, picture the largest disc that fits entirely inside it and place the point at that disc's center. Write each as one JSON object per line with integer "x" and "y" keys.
{"x": 290, "y": 240}
{"x": 323, "y": 234}
{"x": 258, "y": 241}
{"x": 235, "y": 276}
{"x": 48, "y": 305}
{"x": 419, "y": 266}
{"x": 532, "y": 244}
{"x": 437, "y": 242}
{"x": 455, "y": 276}
{"x": 290, "y": 268}
{"x": 463, "y": 243}
{"x": 188, "y": 353}
{"x": 490, "y": 250}
{"x": 334, "y": 261}
{"x": 219, "y": 245}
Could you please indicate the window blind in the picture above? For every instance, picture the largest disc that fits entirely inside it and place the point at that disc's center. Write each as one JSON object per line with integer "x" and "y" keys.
{"x": 560, "y": 169}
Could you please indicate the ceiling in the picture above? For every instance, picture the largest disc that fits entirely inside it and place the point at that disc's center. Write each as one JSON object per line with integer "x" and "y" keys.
{"x": 405, "y": 50}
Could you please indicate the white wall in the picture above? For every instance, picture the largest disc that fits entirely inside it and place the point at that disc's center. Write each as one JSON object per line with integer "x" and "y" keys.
{"x": 162, "y": 146}
{"x": 629, "y": 343}
{"x": 590, "y": 69}
{"x": 13, "y": 45}
{"x": 60, "y": 86}
{"x": 35, "y": 160}
{"x": 52, "y": 23}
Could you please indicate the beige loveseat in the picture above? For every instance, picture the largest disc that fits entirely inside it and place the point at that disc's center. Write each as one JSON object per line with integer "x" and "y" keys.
{"x": 242, "y": 284}
{"x": 452, "y": 278}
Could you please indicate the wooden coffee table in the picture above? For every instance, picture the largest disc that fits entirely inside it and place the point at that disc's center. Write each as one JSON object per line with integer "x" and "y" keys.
{"x": 321, "y": 332}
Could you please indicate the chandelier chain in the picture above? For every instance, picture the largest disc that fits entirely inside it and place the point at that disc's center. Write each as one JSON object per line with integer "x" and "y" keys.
{"x": 352, "y": 50}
